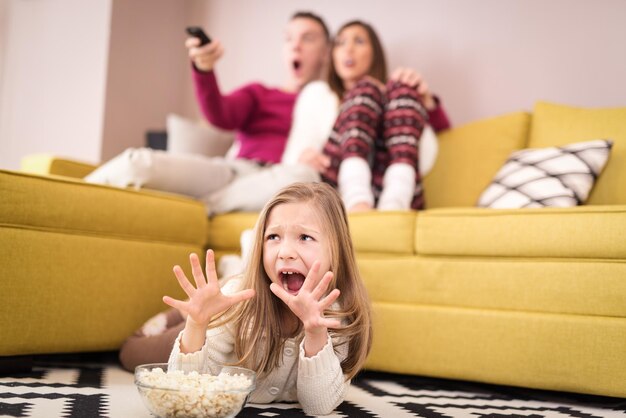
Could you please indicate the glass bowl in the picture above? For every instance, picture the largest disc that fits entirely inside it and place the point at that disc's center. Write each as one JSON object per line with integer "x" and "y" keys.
{"x": 192, "y": 394}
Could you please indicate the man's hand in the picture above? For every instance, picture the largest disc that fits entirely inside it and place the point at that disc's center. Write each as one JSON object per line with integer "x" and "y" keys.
{"x": 204, "y": 57}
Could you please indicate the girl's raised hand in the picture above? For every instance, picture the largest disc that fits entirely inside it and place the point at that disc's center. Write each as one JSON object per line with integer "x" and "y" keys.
{"x": 206, "y": 299}
{"x": 309, "y": 304}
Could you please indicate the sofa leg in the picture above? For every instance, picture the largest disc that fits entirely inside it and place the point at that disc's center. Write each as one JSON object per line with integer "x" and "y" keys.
{"x": 15, "y": 364}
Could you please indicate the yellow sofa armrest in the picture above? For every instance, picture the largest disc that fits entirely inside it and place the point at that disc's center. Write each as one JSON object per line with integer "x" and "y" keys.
{"x": 50, "y": 164}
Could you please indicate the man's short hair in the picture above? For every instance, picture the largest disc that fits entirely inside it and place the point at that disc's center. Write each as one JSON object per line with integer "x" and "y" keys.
{"x": 313, "y": 16}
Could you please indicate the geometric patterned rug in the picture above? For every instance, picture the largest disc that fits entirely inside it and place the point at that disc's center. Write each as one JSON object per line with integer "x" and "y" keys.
{"x": 96, "y": 386}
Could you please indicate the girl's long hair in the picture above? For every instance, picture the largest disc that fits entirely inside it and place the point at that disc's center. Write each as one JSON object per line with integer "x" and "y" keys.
{"x": 259, "y": 337}
{"x": 378, "y": 70}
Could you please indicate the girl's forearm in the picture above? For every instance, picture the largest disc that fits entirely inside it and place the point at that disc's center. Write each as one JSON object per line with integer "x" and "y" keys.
{"x": 193, "y": 337}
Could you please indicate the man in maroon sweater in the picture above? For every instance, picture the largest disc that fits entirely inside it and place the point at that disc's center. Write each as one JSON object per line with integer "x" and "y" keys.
{"x": 259, "y": 115}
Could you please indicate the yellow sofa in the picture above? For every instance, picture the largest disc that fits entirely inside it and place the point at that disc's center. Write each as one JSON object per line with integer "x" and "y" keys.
{"x": 523, "y": 297}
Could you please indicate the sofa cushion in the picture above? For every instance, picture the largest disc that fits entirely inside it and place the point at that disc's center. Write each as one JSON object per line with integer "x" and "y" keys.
{"x": 372, "y": 232}
{"x": 557, "y": 352}
{"x": 521, "y": 284}
{"x": 66, "y": 205}
{"x": 555, "y": 124}
{"x": 223, "y": 232}
{"x": 85, "y": 265}
{"x": 552, "y": 176}
{"x": 383, "y": 232}
{"x": 470, "y": 155}
{"x": 68, "y": 291}
{"x": 580, "y": 232}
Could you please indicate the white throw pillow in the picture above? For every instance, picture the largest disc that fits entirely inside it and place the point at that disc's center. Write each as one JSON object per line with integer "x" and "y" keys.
{"x": 553, "y": 176}
{"x": 185, "y": 136}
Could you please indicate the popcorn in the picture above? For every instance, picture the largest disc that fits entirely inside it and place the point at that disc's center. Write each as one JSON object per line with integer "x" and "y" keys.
{"x": 178, "y": 394}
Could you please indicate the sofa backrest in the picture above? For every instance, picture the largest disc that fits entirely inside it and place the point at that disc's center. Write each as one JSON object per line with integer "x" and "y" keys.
{"x": 470, "y": 155}
{"x": 555, "y": 124}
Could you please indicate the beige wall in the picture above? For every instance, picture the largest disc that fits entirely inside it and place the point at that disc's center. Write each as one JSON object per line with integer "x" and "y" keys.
{"x": 4, "y": 20}
{"x": 147, "y": 69}
{"x": 52, "y": 83}
{"x": 87, "y": 78}
{"x": 483, "y": 57}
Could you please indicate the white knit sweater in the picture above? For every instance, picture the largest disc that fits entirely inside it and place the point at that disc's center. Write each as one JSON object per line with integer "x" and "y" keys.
{"x": 317, "y": 382}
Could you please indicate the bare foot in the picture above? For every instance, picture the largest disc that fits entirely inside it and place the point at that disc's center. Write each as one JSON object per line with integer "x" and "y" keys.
{"x": 361, "y": 207}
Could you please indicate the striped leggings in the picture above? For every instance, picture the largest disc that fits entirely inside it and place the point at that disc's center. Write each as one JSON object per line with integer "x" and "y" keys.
{"x": 383, "y": 127}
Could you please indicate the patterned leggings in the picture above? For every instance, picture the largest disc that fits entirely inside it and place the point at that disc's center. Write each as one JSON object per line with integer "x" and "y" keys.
{"x": 382, "y": 126}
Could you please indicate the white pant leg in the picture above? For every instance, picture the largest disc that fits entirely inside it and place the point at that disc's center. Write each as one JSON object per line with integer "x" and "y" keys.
{"x": 251, "y": 192}
{"x": 191, "y": 175}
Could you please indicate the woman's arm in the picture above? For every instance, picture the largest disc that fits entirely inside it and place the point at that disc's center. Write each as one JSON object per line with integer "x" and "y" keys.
{"x": 314, "y": 114}
{"x": 437, "y": 117}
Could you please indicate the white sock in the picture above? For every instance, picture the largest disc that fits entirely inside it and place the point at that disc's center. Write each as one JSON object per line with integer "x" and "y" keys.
{"x": 398, "y": 187}
{"x": 131, "y": 167}
{"x": 355, "y": 182}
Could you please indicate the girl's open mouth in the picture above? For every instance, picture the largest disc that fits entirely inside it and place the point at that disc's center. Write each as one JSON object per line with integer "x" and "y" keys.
{"x": 292, "y": 281}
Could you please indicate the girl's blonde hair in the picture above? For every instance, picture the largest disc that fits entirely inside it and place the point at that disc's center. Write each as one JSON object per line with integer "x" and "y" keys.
{"x": 259, "y": 337}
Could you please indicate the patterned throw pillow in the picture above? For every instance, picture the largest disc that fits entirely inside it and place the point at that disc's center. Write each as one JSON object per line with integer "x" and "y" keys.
{"x": 554, "y": 176}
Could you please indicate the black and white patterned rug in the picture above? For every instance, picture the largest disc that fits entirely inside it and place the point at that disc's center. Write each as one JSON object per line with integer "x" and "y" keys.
{"x": 94, "y": 387}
